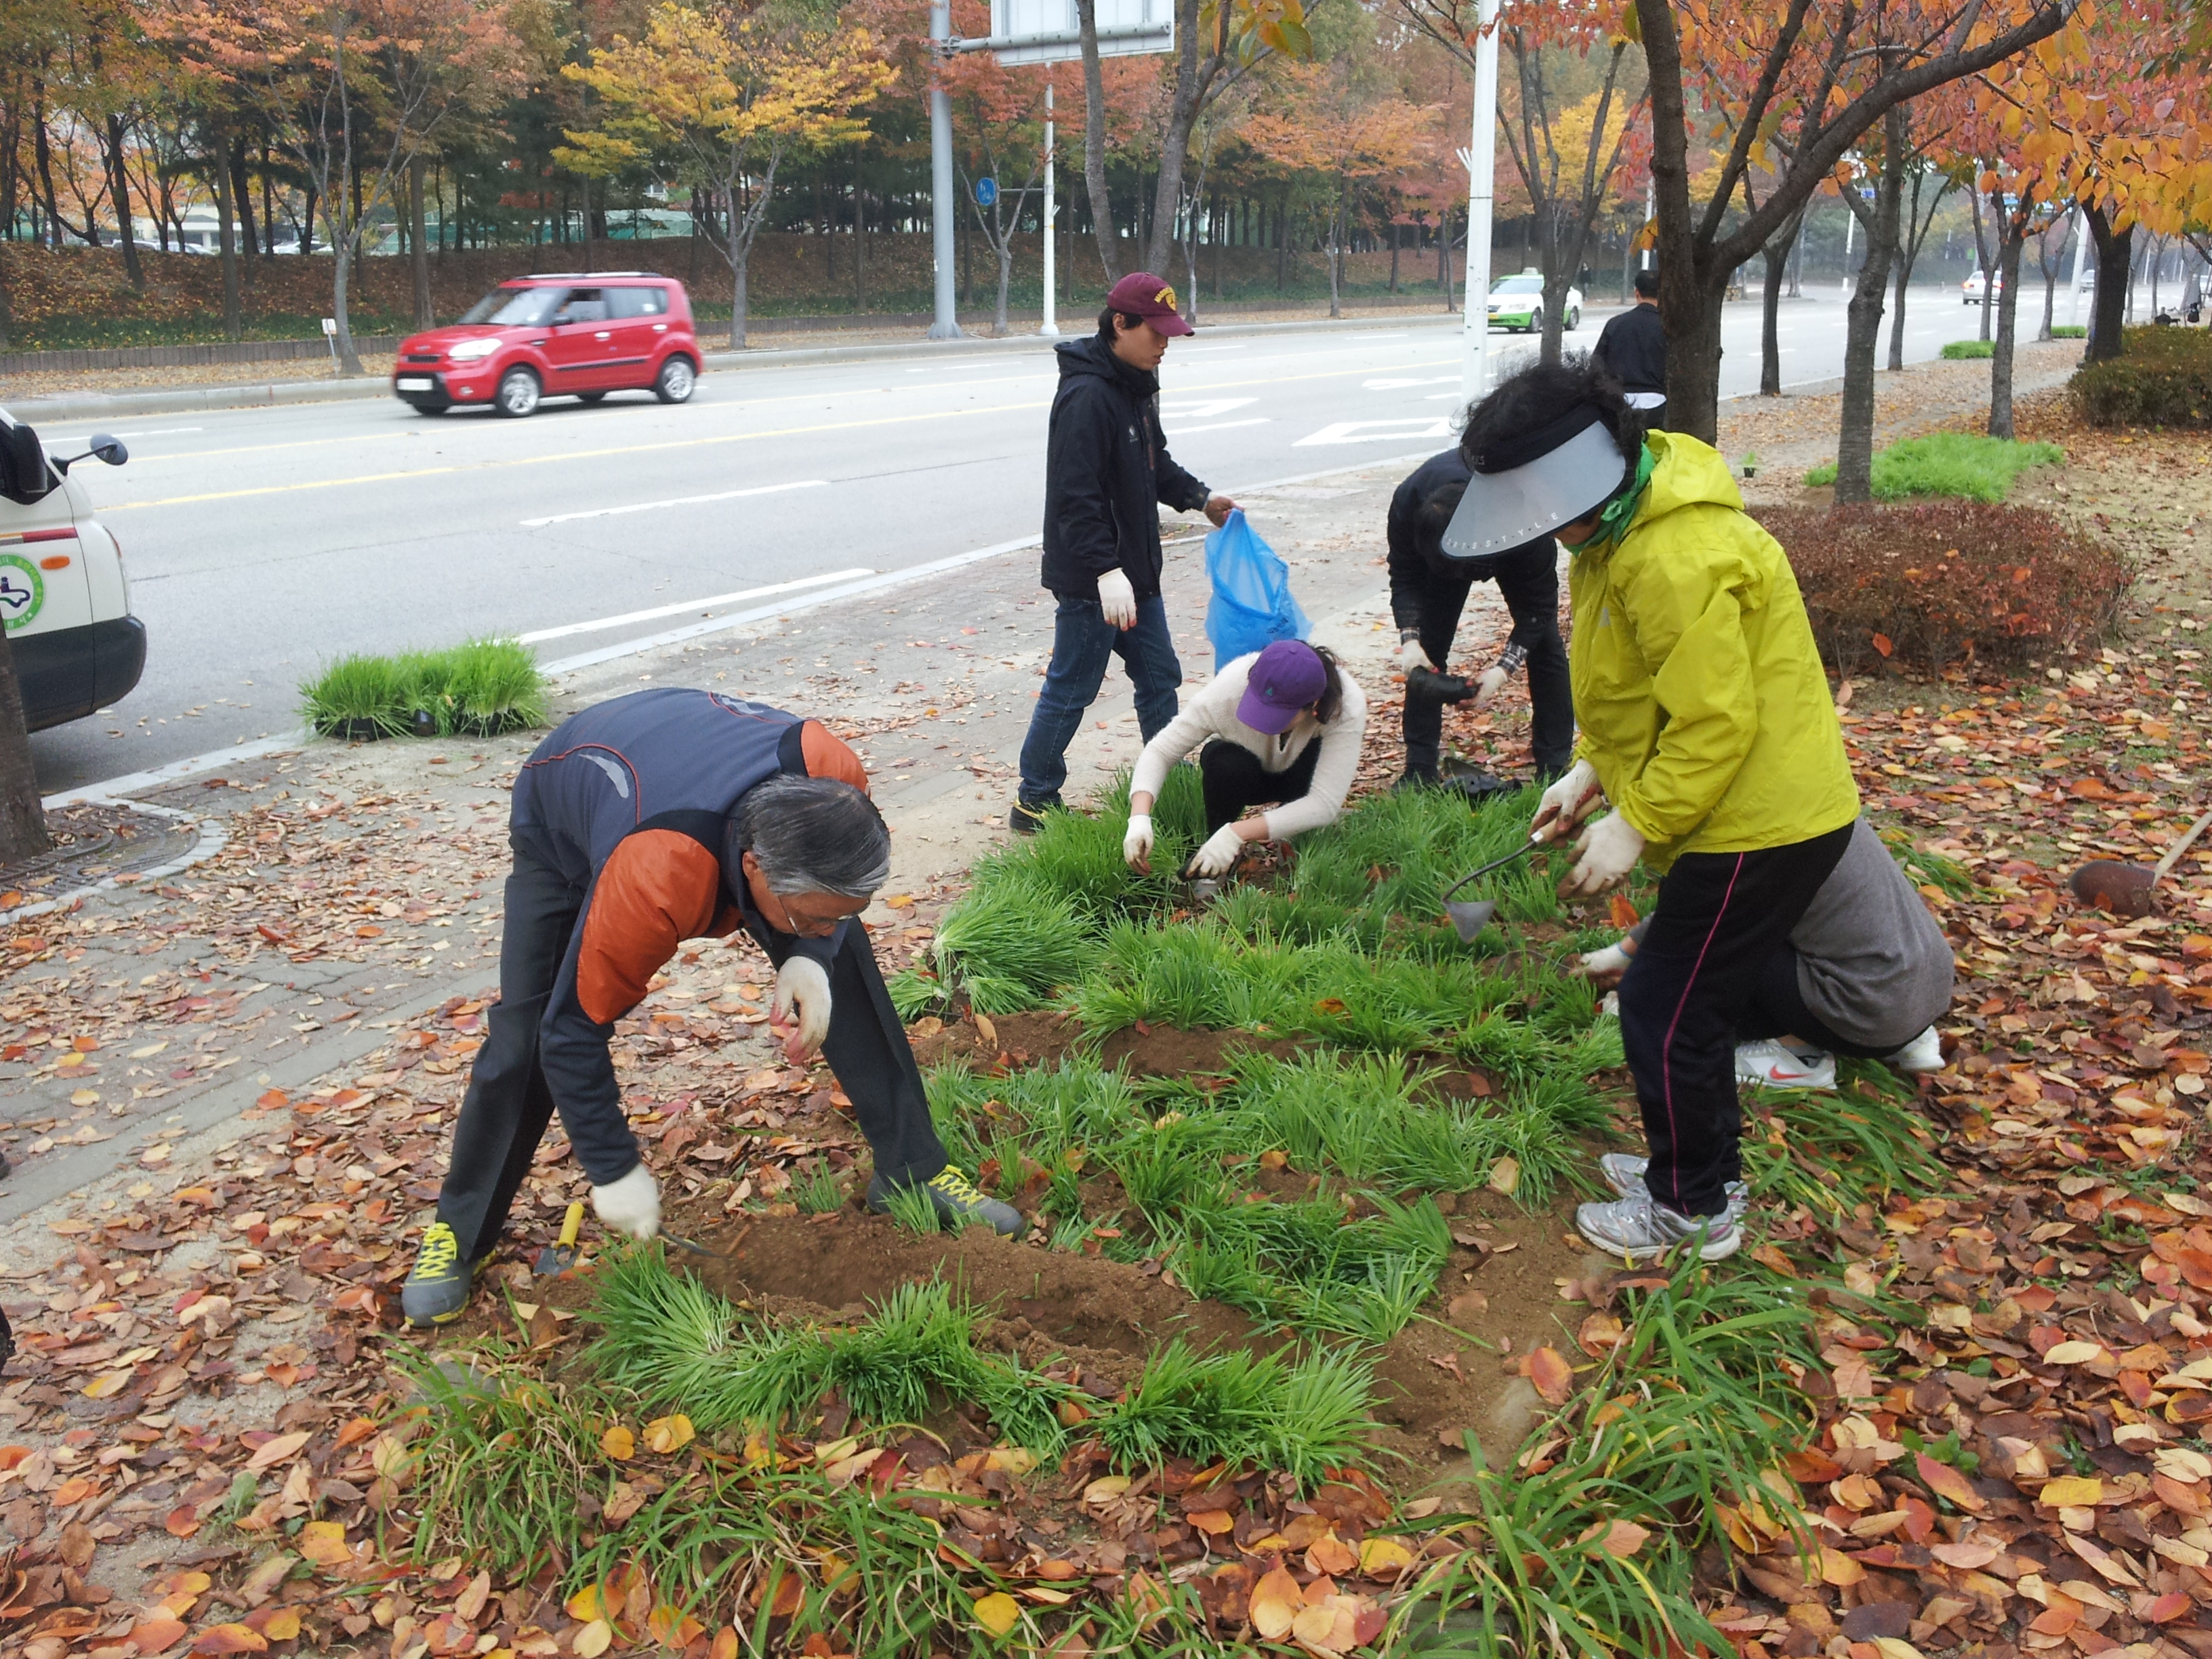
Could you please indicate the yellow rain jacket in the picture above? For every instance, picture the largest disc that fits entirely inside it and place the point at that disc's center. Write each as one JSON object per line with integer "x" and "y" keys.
{"x": 1698, "y": 688}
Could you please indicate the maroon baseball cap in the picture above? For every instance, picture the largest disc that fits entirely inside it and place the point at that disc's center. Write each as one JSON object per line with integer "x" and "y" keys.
{"x": 1285, "y": 677}
{"x": 1140, "y": 293}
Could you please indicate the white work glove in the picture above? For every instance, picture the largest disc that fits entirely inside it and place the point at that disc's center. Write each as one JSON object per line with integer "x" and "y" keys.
{"x": 1117, "y": 598}
{"x": 1411, "y": 656}
{"x": 1136, "y": 841}
{"x": 1220, "y": 853}
{"x": 1561, "y": 803}
{"x": 802, "y": 1002}
{"x": 1604, "y": 967}
{"x": 1609, "y": 849}
{"x": 1492, "y": 681}
{"x": 631, "y": 1204}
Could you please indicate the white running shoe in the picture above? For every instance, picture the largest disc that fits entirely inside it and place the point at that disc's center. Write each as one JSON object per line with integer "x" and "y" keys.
{"x": 1623, "y": 1173}
{"x": 1644, "y": 1229}
{"x": 1771, "y": 1065}
{"x": 1923, "y": 1053}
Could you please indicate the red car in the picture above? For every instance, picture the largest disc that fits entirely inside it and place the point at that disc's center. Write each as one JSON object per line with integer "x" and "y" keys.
{"x": 565, "y": 334}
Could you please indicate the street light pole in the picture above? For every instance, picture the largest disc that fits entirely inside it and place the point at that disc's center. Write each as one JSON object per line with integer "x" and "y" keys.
{"x": 943, "y": 204}
{"x": 1050, "y": 329}
{"x": 1481, "y": 157}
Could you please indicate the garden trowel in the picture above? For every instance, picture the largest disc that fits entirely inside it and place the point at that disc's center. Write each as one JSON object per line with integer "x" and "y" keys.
{"x": 558, "y": 1258}
{"x": 1469, "y": 917}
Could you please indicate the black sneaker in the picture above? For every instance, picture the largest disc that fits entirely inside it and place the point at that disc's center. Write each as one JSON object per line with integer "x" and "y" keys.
{"x": 1418, "y": 777}
{"x": 1028, "y": 816}
{"x": 957, "y": 1200}
{"x": 437, "y": 1288}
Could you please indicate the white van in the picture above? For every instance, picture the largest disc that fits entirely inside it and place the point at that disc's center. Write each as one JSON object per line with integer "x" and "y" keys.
{"x": 63, "y": 599}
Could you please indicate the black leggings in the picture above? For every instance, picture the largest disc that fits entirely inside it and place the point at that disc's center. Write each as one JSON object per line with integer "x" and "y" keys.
{"x": 1778, "y": 1009}
{"x": 1686, "y": 996}
{"x": 1235, "y": 780}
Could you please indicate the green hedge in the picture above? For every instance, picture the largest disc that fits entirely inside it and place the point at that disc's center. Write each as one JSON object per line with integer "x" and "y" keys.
{"x": 2163, "y": 377}
{"x": 1959, "y": 350}
{"x": 2069, "y": 330}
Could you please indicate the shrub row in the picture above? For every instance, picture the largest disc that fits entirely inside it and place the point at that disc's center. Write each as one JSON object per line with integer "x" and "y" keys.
{"x": 476, "y": 689}
{"x": 1929, "y": 585}
{"x": 2162, "y": 378}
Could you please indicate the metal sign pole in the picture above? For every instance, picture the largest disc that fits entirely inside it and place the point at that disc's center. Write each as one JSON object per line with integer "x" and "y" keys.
{"x": 1050, "y": 328}
{"x": 943, "y": 204}
{"x": 1481, "y": 159}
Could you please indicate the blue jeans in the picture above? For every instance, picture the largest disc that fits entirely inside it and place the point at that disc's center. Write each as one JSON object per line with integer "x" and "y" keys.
{"x": 1082, "y": 642}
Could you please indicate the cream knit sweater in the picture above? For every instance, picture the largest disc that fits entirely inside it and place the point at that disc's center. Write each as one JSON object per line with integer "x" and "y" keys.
{"x": 1213, "y": 713}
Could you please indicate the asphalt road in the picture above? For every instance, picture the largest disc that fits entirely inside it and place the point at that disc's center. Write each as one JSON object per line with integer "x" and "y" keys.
{"x": 261, "y": 543}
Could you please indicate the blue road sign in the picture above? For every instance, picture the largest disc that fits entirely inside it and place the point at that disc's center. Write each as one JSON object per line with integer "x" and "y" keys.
{"x": 986, "y": 191}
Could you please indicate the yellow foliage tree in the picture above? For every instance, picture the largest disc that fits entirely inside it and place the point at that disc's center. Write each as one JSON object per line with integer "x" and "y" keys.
{"x": 718, "y": 97}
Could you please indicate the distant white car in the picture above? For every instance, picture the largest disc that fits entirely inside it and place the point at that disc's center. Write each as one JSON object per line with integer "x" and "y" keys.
{"x": 1972, "y": 288}
{"x": 1517, "y": 301}
{"x": 63, "y": 598}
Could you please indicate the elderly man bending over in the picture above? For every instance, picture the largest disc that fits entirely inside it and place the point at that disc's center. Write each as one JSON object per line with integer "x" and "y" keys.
{"x": 653, "y": 818}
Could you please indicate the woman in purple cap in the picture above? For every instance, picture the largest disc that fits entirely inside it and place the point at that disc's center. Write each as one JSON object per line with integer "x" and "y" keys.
{"x": 1281, "y": 726}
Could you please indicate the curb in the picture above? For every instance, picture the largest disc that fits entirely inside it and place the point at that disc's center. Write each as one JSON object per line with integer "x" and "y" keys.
{"x": 93, "y": 405}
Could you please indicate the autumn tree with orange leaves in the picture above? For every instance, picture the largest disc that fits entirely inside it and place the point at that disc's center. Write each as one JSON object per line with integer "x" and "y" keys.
{"x": 1324, "y": 125}
{"x": 719, "y": 97}
{"x": 1749, "y": 68}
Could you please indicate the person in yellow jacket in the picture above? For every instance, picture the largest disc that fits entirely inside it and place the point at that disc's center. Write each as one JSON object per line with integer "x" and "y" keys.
{"x": 1707, "y": 723}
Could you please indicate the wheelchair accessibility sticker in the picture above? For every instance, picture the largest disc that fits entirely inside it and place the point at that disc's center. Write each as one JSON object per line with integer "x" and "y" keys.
{"x": 22, "y": 591}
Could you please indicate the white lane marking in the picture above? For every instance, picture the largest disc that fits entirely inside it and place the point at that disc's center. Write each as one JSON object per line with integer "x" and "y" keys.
{"x": 1202, "y": 408}
{"x": 674, "y": 501}
{"x": 1399, "y": 336}
{"x": 1212, "y": 426}
{"x": 158, "y": 431}
{"x": 705, "y": 605}
{"x": 1364, "y": 432}
{"x": 1391, "y": 384}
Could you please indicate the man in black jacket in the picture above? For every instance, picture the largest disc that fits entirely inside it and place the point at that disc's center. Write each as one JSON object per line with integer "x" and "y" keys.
{"x": 1632, "y": 349}
{"x": 1107, "y": 473}
{"x": 1428, "y": 591}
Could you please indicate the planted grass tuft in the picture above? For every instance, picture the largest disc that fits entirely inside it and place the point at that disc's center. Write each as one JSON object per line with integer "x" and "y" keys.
{"x": 1954, "y": 464}
{"x": 478, "y": 688}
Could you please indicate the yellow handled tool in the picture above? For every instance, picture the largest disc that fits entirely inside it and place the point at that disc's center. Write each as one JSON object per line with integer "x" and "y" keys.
{"x": 559, "y": 1258}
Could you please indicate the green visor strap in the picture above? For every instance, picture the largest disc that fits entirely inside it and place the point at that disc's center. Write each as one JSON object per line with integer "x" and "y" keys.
{"x": 1622, "y": 507}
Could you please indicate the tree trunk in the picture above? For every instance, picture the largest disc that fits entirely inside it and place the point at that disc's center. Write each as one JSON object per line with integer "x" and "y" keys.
{"x": 2049, "y": 297}
{"x": 1192, "y": 82}
{"x": 418, "y": 225}
{"x": 119, "y": 187}
{"x": 1005, "y": 275}
{"x": 1393, "y": 255}
{"x": 1094, "y": 142}
{"x": 2115, "y": 253}
{"x": 740, "y": 247}
{"x": 22, "y": 819}
{"x": 1334, "y": 252}
{"x": 1777, "y": 255}
{"x": 2013, "y": 232}
{"x": 1863, "y": 328}
{"x": 226, "y": 244}
{"x": 241, "y": 196}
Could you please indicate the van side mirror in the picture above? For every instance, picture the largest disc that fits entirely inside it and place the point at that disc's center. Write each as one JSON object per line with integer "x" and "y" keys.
{"x": 105, "y": 447}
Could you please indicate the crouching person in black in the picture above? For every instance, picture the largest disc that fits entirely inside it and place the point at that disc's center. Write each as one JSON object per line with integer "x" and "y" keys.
{"x": 1428, "y": 591}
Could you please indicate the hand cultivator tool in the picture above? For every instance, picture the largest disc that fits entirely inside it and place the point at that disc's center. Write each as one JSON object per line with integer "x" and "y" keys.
{"x": 692, "y": 1245}
{"x": 2128, "y": 890}
{"x": 560, "y": 1257}
{"x": 1471, "y": 918}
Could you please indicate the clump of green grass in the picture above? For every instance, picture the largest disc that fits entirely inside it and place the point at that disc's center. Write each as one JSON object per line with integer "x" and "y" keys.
{"x": 1953, "y": 463}
{"x": 2069, "y": 330}
{"x": 820, "y": 1192}
{"x": 1965, "y": 350}
{"x": 477, "y": 689}
{"x": 1304, "y": 1416}
{"x": 1013, "y": 946}
{"x": 1833, "y": 1152}
{"x": 360, "y": 697}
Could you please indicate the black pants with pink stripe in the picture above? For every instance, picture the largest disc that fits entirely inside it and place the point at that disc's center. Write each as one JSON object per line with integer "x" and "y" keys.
{"x": 1713, "y": 933}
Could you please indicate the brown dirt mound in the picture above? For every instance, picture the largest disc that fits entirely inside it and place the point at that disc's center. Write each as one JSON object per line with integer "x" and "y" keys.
{"x": 1109, "y": 1316}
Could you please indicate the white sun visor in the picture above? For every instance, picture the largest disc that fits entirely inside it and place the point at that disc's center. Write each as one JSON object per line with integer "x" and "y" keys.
{"x": 1502, "y": 510}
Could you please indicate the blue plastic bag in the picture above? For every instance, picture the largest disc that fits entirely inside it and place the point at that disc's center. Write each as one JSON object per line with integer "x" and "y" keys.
{"x": 1251, "y": 607}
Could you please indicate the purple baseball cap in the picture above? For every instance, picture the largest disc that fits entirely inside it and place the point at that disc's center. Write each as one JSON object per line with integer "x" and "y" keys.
{"x": 1285, "y": 676}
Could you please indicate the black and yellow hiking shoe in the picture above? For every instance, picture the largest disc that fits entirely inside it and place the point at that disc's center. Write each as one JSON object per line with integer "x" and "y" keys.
{"x": 1028, "y": 816}
{"x": 957, "y": 1200}
{"x": 438, "y": 1288}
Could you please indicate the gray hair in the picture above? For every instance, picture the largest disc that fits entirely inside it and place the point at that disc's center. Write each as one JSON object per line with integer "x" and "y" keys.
{"x": 811, "y": 835}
